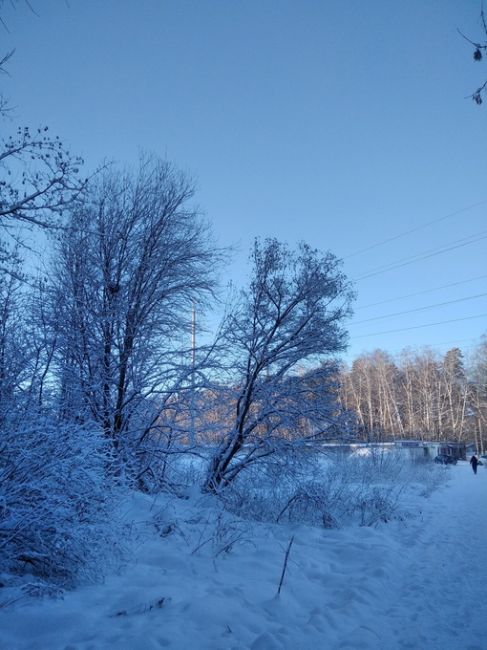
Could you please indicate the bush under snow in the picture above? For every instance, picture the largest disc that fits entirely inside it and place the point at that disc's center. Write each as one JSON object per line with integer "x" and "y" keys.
{"x": 330, "y": 491}
{"x": 56, "y": 508}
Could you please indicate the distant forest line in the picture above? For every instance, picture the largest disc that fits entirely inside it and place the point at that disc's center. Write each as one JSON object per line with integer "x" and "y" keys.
{"x": 418, "y": 394}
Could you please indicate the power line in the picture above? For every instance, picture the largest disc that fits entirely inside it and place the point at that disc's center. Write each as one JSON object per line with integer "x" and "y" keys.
{"x": 410, "y": 311}
{"x": 436, "y": 346}
{"x": 416, "y": 327}
{"x": 419, "y": 293}
{"x": 470, "y": 338}
{"x": 458, "y": 343}
{"x": 440, "y": 344}
{"x": 412, "y": 230}
{"x": 459, "y": 243}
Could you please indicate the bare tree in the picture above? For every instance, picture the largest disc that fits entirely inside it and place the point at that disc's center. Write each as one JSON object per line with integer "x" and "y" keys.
{"x": 420, "y": 395}
{"x": 371, "y": 388}
{"x": 282, "y": 329}
{"x": 12, "y": 349}
{"x": 47, "y": 178}
{"x": 478, "y": 395}
{"x": 455, "y": 393}
{"x": 136, "y": 259}
{"x": 360, "y": 389}
{"x": 479, "y": 51}
{"x": 39, "y": 177}
{"x": 4, "y": 59}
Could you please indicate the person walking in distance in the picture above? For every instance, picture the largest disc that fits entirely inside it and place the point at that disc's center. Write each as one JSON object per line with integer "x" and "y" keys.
{"x": 474, "y": 462}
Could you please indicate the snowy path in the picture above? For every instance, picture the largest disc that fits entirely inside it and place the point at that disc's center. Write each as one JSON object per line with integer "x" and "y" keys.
{"x": 423, "y": 588}
{"x": 442, "y": 600}
{"x": 416, "y": 585}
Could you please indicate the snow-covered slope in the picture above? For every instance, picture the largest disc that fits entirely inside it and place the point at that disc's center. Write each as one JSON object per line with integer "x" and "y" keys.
{"x": 417, "y": 584}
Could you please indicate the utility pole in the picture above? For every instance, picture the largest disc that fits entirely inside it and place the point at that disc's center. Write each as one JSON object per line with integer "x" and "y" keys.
{"x": 193, "y": 341}
{"x": 192, "y": 433}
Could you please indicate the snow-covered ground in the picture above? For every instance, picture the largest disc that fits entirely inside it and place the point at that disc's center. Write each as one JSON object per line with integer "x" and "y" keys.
{"x": 416, "y": 584}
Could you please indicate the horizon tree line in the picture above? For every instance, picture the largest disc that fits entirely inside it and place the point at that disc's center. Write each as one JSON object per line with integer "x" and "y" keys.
{"x": 419, "y": 394}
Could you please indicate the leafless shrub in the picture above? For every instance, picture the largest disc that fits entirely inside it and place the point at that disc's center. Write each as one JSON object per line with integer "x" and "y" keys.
{"x": 56, "y": 506}
{"x": 220, "y": 533}
{"x": 363, "y": 490}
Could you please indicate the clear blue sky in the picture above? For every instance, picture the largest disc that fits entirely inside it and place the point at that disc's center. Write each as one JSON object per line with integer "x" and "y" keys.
{"x": 341, "y": 123}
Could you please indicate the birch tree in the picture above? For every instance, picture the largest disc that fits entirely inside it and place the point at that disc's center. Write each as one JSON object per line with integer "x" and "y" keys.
{"x": 478, "y": 395}
{"x": 419, "y": 394}
{"x": 455, "y": 389}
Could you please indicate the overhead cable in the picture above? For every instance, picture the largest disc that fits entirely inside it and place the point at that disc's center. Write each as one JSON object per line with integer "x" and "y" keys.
{"x": 419, "y": 293}
{"x": 416, "y": 327}
{"x": 459, "y": 243}
{"x": 413, "y": 230}
{"x": 410, "y": 311}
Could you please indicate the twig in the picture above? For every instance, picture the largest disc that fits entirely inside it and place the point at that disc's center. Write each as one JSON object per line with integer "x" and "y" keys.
{"x": 141, "y": 609}
{"x": 288, "y": 504}
{"x": 286, "y": 558}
